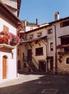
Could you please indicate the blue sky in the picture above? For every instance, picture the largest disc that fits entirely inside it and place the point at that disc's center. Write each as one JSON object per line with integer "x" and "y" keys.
{"x": 43, "y": 10}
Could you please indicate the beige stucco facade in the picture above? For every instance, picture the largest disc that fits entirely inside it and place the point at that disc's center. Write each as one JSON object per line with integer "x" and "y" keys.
{"x": 32, "y": 42}
{"x": 37, "y": 42}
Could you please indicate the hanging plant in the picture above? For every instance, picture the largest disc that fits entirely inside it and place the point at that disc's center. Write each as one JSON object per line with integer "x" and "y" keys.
{"x": 9, "y": 38}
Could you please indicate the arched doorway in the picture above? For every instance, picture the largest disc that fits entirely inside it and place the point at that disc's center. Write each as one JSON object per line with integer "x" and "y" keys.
{"x": 4, "y": 67}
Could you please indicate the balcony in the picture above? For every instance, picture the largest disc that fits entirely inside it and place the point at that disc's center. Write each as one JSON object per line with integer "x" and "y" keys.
{"x": 64, "y": 49}
{"x": 34, "y": 39}
{"x": 6, "y": 48}
{"x": 8, "y": 41}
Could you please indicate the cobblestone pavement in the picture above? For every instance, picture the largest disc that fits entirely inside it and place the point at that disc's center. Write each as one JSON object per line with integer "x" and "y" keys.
{"x": 36, "y": 84}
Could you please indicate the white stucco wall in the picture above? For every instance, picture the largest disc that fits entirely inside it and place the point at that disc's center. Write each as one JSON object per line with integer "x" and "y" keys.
{"x": 11, "y": 28}
{"x": 11, "y": 65}
{"x": 11, "y": 62}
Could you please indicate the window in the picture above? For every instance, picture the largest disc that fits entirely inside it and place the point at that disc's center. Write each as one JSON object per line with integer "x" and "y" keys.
{"x": 39, "y": 34}
{"x": 65, "y": 40}
{"x": 50, "y": 31}
{"x": 5, "y": 28}
{"x": 39, "y": 51}
{"x": 67, "y": 61}
{"x": 31, "y": 36}
{"x": 65, "y": 23}
{"x": 24, "y": 65}
{"x": 51, "y": 46}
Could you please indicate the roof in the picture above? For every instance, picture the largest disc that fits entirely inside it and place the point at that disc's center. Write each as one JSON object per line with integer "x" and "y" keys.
{"x": 8, "y": 15}
{"x": 47, "y": 25}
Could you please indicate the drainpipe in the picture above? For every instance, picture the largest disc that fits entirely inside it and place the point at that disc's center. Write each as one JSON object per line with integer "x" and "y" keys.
{"x": 56, "y": 66}
{"x": 46, "y": 57}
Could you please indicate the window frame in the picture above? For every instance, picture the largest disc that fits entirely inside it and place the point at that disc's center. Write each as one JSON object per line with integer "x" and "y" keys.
{"x": 31, "y": 36}
{"x": 39, "y": 51}
{"x": 50, "y": 31}
{"x": 67, "y": 60}
{"x": 51, "y": 46}
{"x": 39, "y": 34}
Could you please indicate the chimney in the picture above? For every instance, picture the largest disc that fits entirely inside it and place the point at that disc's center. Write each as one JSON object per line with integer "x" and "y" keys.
{"x": 56, "y": 16}
{"x": 36, "y": 21}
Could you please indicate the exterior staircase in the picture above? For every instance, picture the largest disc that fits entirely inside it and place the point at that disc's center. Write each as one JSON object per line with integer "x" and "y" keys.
{"x": 31, "y": 65}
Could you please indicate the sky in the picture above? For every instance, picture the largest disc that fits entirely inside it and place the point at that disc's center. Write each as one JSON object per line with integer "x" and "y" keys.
{"x": 43, "y": 10}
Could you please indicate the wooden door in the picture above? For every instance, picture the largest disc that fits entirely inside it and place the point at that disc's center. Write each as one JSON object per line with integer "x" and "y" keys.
{"x": 42, "y": 66}
{"x": 4, "y": 67}
{"x": 51, "y": 64}
{"x": 29, "y": 55}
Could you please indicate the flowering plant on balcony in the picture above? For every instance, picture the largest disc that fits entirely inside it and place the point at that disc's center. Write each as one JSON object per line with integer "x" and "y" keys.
{"x": 8, "y": 38}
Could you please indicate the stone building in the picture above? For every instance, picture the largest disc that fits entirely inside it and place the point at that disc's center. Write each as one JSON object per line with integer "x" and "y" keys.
{"x": 46, "y": 48}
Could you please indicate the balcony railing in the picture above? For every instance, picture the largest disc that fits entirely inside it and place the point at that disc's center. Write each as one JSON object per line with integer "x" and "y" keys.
{"x": 32, "y": 40}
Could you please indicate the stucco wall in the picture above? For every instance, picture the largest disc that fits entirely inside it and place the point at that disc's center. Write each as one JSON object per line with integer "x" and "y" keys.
{"x": 11, "y": 28}
{"x": 62, "y": 66}
{"x": 11, "y": 61}
{"x": 11, "y": 65}
{"x": 60, "y": 31}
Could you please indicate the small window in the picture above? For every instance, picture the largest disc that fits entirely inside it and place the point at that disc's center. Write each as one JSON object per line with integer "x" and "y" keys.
{"x": 39, "y": 34}
{"x": 51, "y": 46}
{"x": 5, "y": 29}
{"x": 64, "y": 23}
{"x": 31, "y": 36}
{"x": 50, "y": 31}
{"x": 67, "y": 61}
{"x": 39, "y": 51}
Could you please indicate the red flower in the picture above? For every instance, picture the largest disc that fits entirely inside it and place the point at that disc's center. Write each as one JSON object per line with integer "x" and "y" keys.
{"x": 9, "y": 38}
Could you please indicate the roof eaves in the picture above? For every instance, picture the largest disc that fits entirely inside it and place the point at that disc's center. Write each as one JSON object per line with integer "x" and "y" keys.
{"x": 9, "y": 13}
{"x": 49, "y": 24}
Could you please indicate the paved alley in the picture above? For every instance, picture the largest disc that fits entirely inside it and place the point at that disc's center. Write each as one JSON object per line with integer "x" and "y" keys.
{"x": 36, "y": 84}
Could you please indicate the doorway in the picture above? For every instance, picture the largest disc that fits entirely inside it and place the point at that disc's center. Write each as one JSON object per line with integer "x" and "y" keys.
{"x": 42, "y": 66}
{"x": 4, "y": 62}
{"x": 29, "y": 55}
{"x": 50, "y": 64}
{"x": 18, "y": 65}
